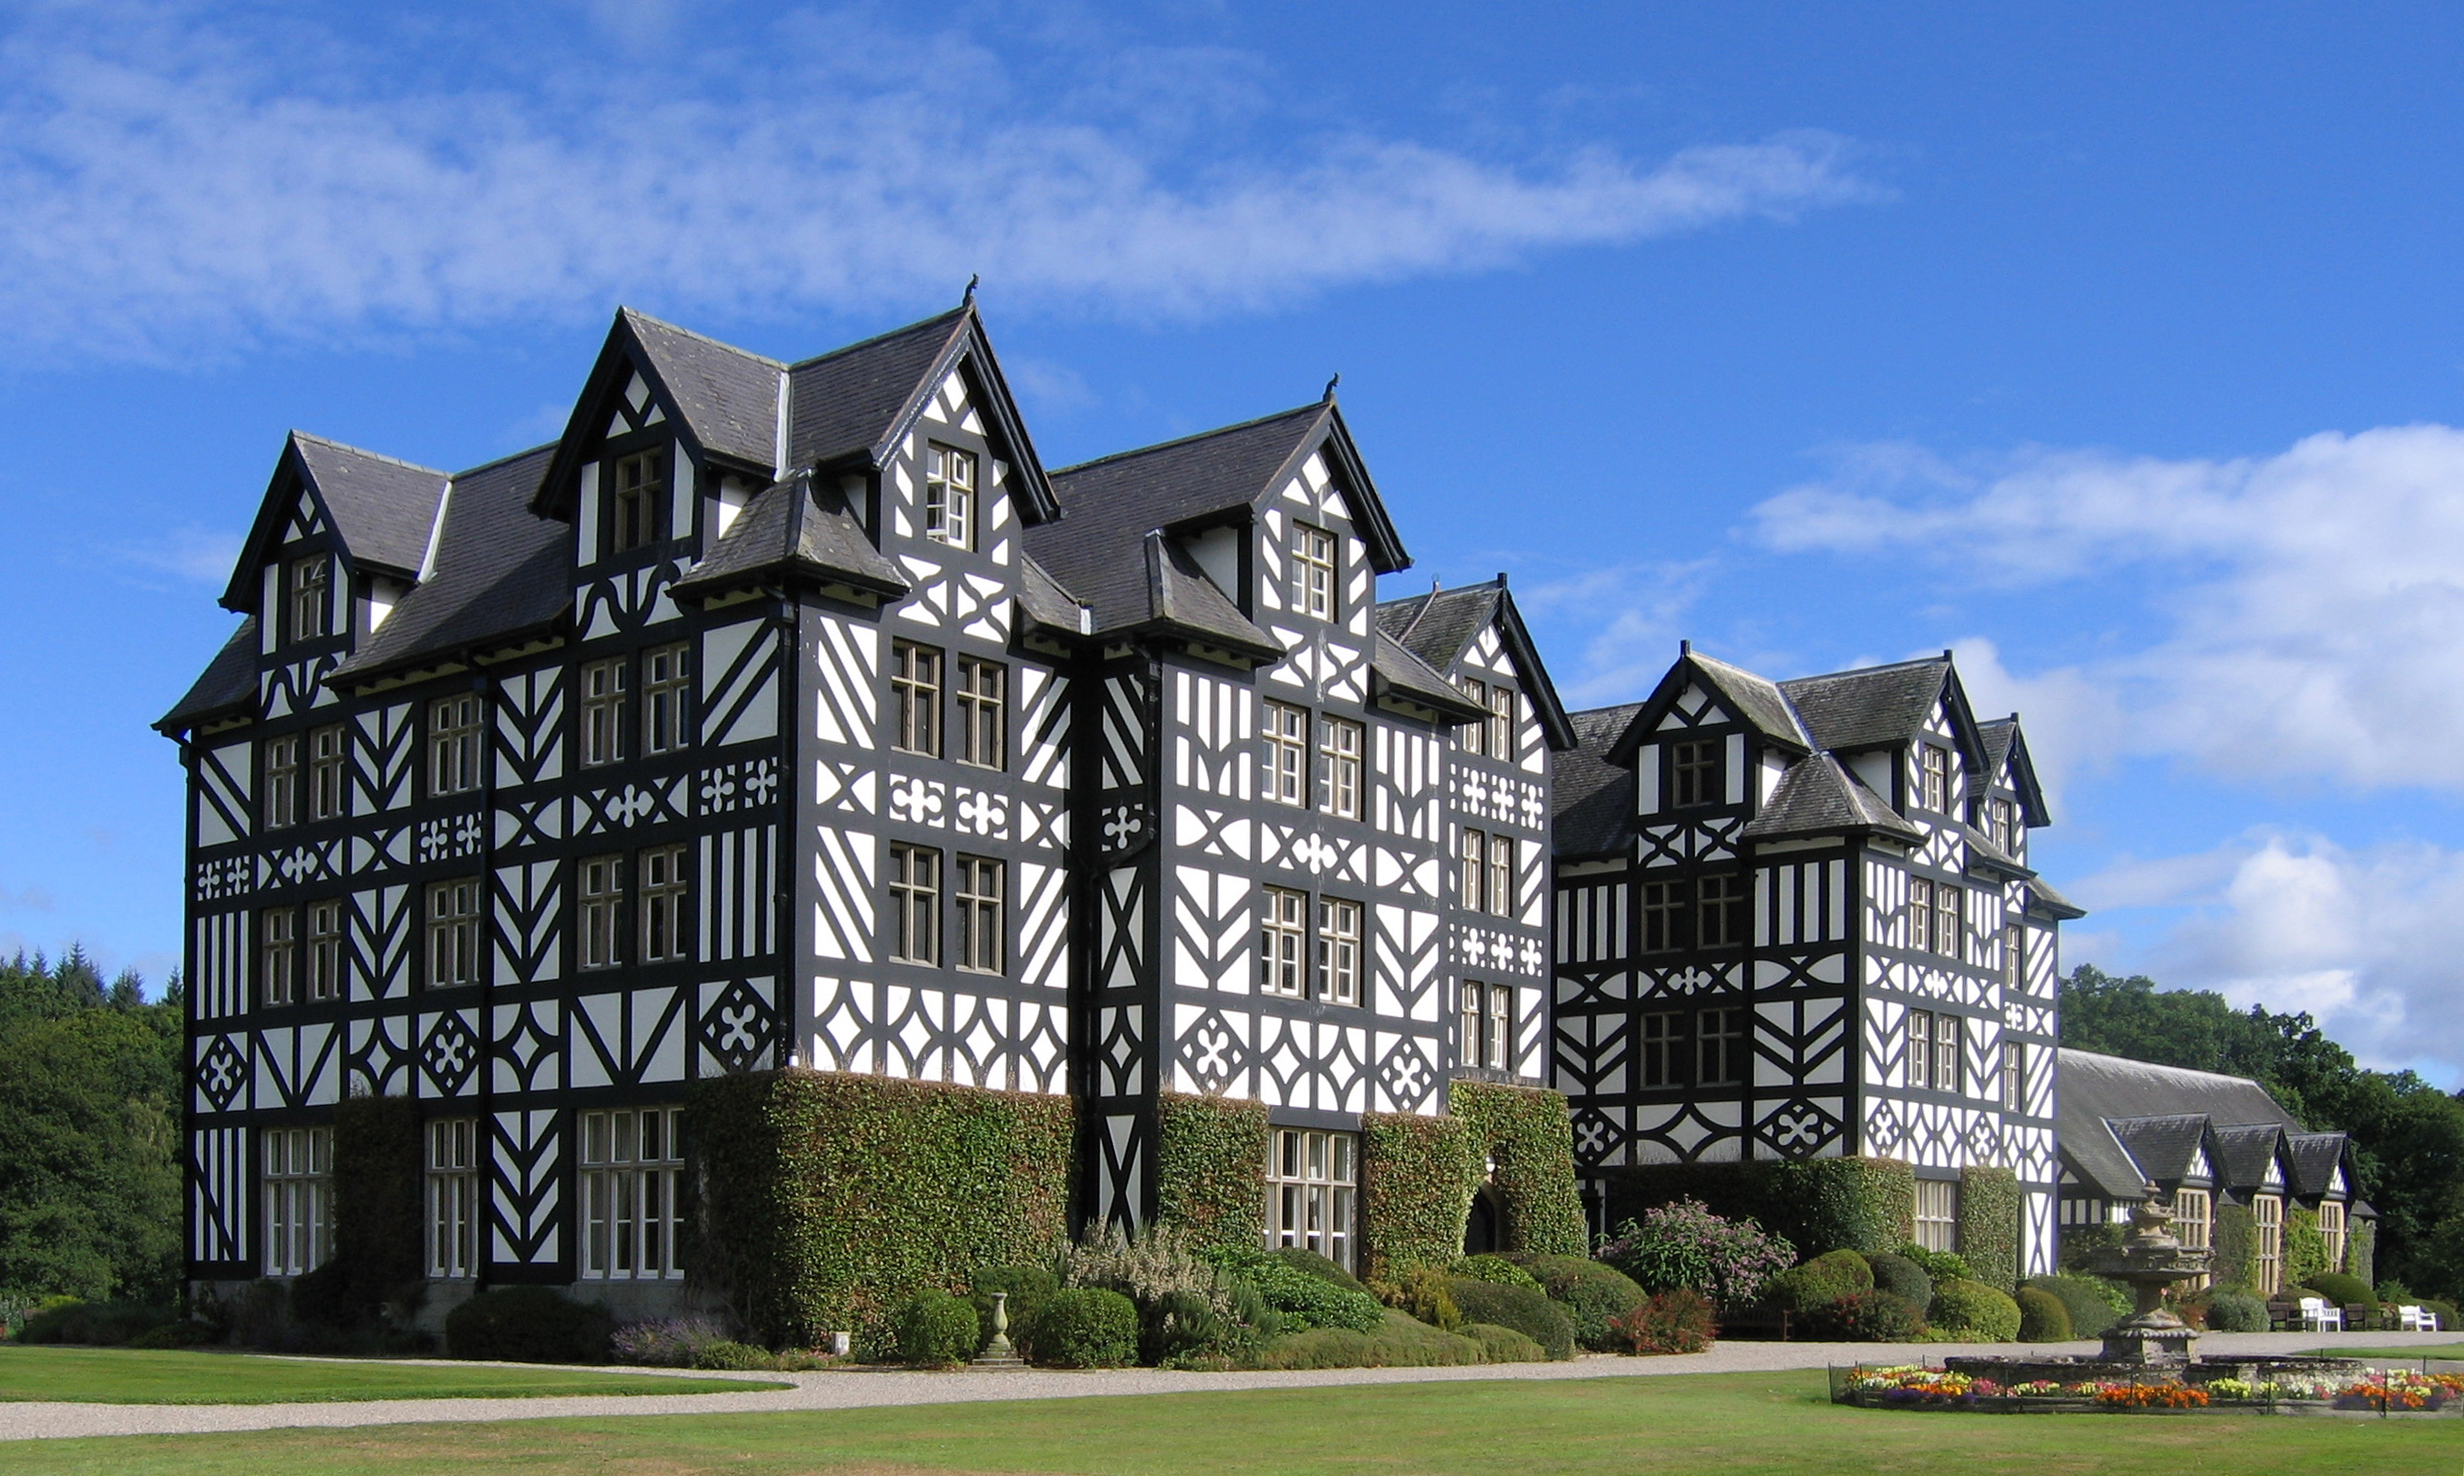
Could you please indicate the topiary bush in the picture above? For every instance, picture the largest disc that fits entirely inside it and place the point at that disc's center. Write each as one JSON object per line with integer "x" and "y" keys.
{"x": 1897, "y": 1274}
{"x": 1825, "y": 1278}
{"x": 1503, "y": 1344}
{"x": 1973, "y": 1311}
{"x": 2042, "y": 1317}
{"x": 2232, "y": 1310}
{"x": 1678, "y": 1320}
{"x": 1305, "y": 1301}
{"x": 2092, "y": 1303}
{"x": 1593, "y": 1295}
{"x": 2345, "y": 1290}
{"x": 1875, "y": 1316}
{"x": 1495, "y": 1268}
{"x": 1989, "y": 1224}
{"x": 1084, "y": 1327}
{"x": 1524, "y": 1310}
{"x": 1685, "y": 1244}
{"x": 1940, "y": 1265}
{"x": 528, "y": 1324}
{"x": 935, "y": 1330}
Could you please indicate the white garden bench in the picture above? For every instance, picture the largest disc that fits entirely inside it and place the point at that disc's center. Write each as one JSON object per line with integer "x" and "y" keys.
{"x": 2411, "y": 1318}
{"x": 2317, "y": 1314}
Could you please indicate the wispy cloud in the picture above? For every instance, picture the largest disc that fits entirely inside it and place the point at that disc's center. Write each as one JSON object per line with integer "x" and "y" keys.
{"x": 205, "y": 555}
{"x": 173, "y": 183}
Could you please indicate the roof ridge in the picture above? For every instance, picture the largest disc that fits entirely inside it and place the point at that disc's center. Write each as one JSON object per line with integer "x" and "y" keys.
{"x": 364, "y": 451}
{"x": 2161, "y": 1066}
{"x": 862, "y": 343}
{"x": 1221, "y": 430}
{"x": 1826, "y": 676}
{"x": 703, "y": 337}
{"x": 472, "y": 471}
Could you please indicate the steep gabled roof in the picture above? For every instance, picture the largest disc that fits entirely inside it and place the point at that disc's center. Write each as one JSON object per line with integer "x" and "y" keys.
{"x": 1439, "y": 625}
{"x": 793, "y": 529}
{"x": 1395, "y": 667}
{"x": 2244, "y": 1151}
{"x": 1593, "y": 799}
{"x": 2164, "y": 1148}
{"x": 1183, "y": 600}
{"x": 2316, "y": 1157}
{"x": 1871, "y": 707}
{"x": 500, "y": 572}
{"x": 2118, "y": 1088}
{"x": 228, "y": 683}
{"x": 2004, "y": 743}
{"x": 2053, "y": 903}
{"x": 728, "y": 398}
{"x": 1757, "y": 703}
{"x": 382, "y": 510}
{"x": 1046, "y": 602}
{"x": 2102, "y": 1096}
{"x": 1819, "y": 797}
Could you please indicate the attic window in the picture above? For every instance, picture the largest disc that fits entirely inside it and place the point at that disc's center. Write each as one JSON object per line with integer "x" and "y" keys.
{"x": 1313, "y": 572}
{"x": 311, "y": 597}
{"x": 1937, "y": 766}
{"x": 1694, "y": 772}
{"x": 2001, "y": 823}
{"x": 634, "y": 511}
{"x": 949, "y": 496}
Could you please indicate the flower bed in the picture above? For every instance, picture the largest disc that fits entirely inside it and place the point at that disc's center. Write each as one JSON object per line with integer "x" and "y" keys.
{"x": 1917, "y": 1386}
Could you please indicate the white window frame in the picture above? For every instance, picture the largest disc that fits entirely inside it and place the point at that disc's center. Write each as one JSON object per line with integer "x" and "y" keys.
{"x": 1285, "y": 729}
{"x": 1934, "y": 769}
{"x": 2014, "y": 1076}
{"x": 981, "y": 690}
{"x": 1312, "y": 1192}
{"x": 1920, "y": 914}
{"x": 1917, "y": 1047}
{"x": 278, "y": 957}
{"x": 324, "y": 955}
{"x": 299, "y": 1206}
{"x": 915, "y": 692}
{"x": 1497, "y": 1029}
{"x": 915, "y": 904}
{"x": 978, "y": 894}
{"x": 600, "y": 884}
{"x": 1315, "y": 556}
{"x": 454, "y": 730}
{"x": 282, "y": 781}
{"x": 1475, "y": 870}
{"x": 329, "y": 783}
{"x": 949, "y": 495}
{"x": 2333, "y": 1229}
{"x": 1501, "y": 888}
{"x": 453, "y": 1198}
{"x": 1474, "y": 737}
{"x": 666, "y": 909}
{"x": 1340, "y": 745}
{"x": 605, "y": 687}
{"x": 1937, "y": 1214}
{"x": 1472, "y": 1010}
{"x": 1283, "y": 942}
{"x": 312, "y": 597}
{"x": 1339, "y": 950}
{"x": 1501, "y": 721}
{"x": 453, "y": 932}
{"x": 1663, "y": 1040}
{"x": 1723, "y": 911}
{"x": 1951, "y": 921}
{"x": 2267, "y": 1242}
{"x": 1950, "y": 1053}
{"x": 632, "y": 1169}
{"x": 667, "y": 687}
{"x": 2194, "y": 1218}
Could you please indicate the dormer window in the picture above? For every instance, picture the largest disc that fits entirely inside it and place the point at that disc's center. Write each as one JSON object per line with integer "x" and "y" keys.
{"x": 949, "y": 496}
{"x": 1936, "y": 764}
{"x": 1313, "y": 572}
{"x": 634, "y": 510}
{"x": 2001, "y": 823}
{"x": 1694, "y": 772}
{"x": 312, "y": 603}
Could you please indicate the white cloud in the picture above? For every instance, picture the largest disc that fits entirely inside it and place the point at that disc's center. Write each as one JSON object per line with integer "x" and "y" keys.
{"x": 2069, "y": 717}
{"x": 202, "y": 554}
{"x": 172, "y": 184}
{"x": 2304, "y": 611}
{"x": 1623, "y": 657}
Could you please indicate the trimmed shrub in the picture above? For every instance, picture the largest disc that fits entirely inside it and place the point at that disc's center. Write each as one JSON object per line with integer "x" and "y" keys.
{"x": 1973, "y": 1311}
{"x": 2090, "y": 1302}
{"x": 1310, "y": 1263}
{"x": 1524, "y": 1310}
{"x": 1989, "y": 1224}
{"x": 935, "y": 1330}
{"x": 1901, "y": 1276}
{"x": 2230, "y": 1309}
{"x": 1497, "y": 1269}
{"x": 1303, "y": 1300}
{"x": 2234, "y": 1236}
{"x": 1183, "y": 1329}
{"x": 1528, "y": 1134}
{"x": 2080, "y": 1244}
{"x": 666, "y": 1343}
{"x": 1825, "y": 1278}
{"x": 1418, "y": 1176}
{"x": 1940, "y": 1265}
{"x": 730, "y": 1355}
{"x": 2448, "y": 1318}
{"x": 175, "y": 1335}
{"x": 1084, "y": 1327}
{"x": 1816, "y": 1204}
{"x": 96, "y": 1324}
{"x": 1207, "y": 1152}
{"x": 1685, "y": 1244}
{"x": 1398, "y": 1342}
{"x": 2042, "y": 1317}
{"x": 1865, "y": 1317}
{"x": 1503, "y": 1344}
{"x": 1678, "y": 1320}
{"x": 1592, "y": 1294}
{"x": 528, "y": 1324}
{"x": 1027, "y": 1286}
{"x": 1422, "y": 1293}
{"x": 2344, "y": 1290}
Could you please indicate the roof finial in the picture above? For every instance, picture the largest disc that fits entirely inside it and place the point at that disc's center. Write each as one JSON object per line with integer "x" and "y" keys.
{"x": 1329, "y": 397}
{"x": 972, "y": 279}
{"x": 1946, "y": 653}
{"x": 1684, "y": 647}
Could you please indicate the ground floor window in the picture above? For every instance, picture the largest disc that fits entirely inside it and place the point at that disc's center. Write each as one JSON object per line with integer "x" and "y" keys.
{"x": 1937, "y": 1214}
{"x": 1311, "y": 1193}
{"x": 631, "y": 1162}
{"x": 453, "y": 1197}
{"x": 2331, "y": 1230}
{"x": 2194, "y": 1221}
{"x": 2268, "y": 1211}
{"x": 299, "y": 1199}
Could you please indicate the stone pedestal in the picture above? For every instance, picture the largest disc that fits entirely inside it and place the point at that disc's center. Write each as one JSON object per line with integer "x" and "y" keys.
{"x": 2156, "y": 1337}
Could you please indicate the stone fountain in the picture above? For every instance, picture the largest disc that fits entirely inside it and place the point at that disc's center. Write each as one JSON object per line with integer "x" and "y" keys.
{"x": 2149, "y": 1263}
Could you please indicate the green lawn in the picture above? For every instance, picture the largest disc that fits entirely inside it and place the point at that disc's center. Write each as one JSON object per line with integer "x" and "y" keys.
{"x": 2439, "y": 1350}
{"x": 1699, "y": 1425}
{"x": 130, "y": 1376}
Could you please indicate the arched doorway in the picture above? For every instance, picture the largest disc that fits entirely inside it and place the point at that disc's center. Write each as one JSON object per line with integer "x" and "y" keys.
{"x": 1483, "y": 1226}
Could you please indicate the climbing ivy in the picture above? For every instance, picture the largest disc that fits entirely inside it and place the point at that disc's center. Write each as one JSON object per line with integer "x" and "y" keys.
{"x": 1418, "y": 1176}
{"x": 1820, "y": 1204}
{"x": 1989, "y": 1224}
{"x": 1210, "y": 1168}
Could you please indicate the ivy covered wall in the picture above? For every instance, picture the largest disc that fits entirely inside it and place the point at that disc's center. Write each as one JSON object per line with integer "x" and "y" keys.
{"x": 1989, "y": 1224}
{"x": 1820, "y": 1204}
{"x": 1418, "y": 1176}
{"x": 1210, "y": 1167}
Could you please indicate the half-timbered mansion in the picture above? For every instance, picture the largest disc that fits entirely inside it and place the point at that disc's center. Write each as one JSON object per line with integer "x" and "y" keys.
{"x": 1796, "y": 919}
{"x": 793, "y": 713}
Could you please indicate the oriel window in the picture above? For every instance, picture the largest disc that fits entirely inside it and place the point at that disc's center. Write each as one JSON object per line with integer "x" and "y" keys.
{"x": 1664, "y": 909}
{"x": 983, "y": 728}
{"x": 667, "y": 686}
{"x": 453, "y": 932}
{"x": 1338, "y": 951}
{"x": 1501, "y": 875}
{"x": 1286, "y": 730}
{"x": 1724, "y": 914}
{"x": 666, "y": 922}
{"x": 1694, "y": 772}
{"x": 603, "y": 898}
{"x": 277, "y": 957}
{"x": 604, "y": 708}
{"x": 1283, "y": 941}
{"x": 329, "y": 753}
{"x": 1339, "y": 745}
{"x": 949, "y": 496}
{"x": 454, "y": 744}
{"x": 282, "y": 784}
{"x": 915, "y": 690}
{"x": 979, "y": 895}
{"x": 1313, "y": 572}
{"x": 915, "y": 904}
{"x": 325, "y": 950}
{"x": 640, "y": 493}
{"x": 312, "y": 597}
{"x": 1719, "y": 1047}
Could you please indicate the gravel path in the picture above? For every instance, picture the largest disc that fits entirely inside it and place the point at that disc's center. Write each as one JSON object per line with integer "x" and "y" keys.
{"x": 860, "y": 1389}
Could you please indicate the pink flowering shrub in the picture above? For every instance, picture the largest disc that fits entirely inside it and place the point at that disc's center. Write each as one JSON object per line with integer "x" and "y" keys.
{"x": 1685, "y": 1245}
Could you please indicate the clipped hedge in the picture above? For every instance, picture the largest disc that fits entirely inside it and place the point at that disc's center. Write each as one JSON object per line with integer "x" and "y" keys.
{"x": 2092, "y": 1302}
{"x": 1902, "y": 1277}
{"x": 1989, "y": 1224}
{"x": 2232, "y": 1310}
{"x": 1526, "y": 1311}
{"x": 2235, "y": 1239}
{"x": 2361, "y": 1249}
{"x": 1593, "y": 1295}
{"x": 828, "y": 1199}
{"x": 2042, "y": 1317}
{"x": 1418, "y": 1176}
{"x": 1210, "y": 1157}
{"x": 528, "y": 1324}
{"x": 1397, "y": 1342}
{"x": 379, "y": 1197}
{"x": 1819, "y": 1204}
{"x": 1871, "y": 1316}
{"x": 2344, "y": 1291}
{"x": 2305, "y": 1249}
{"x": 1084, "y": 1327}
{"x": 1529, "y": 1134}
{"x": 936, "y": 1330}
{"x": 1974, "y": 1311}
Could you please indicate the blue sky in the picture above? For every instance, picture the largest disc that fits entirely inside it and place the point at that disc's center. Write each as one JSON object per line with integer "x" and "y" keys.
{"x": 2117, "y": 348}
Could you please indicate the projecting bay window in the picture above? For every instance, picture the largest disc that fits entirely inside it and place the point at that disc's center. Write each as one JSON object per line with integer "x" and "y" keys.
{"x": 2331, "y": 1230}
{"x": 1313, "y": 572}
{"x": 1663, "y": 1041}
{"x": 1501, "y": 875}
{"x": 1338, "y": 951}
{"x": 2194, "y": 1219}
{"x": 1339, "y": 748}
{"x": 324, "y": 950}
{"x": 328, "y": 751}
{"x": 277, "y": 957}
{"x": 1283, "y": 940}
{"x": 282, "y": 782}
{"x": 915, "y": 904}
{"x": 453, "y": 744}
{"x": 603, "y": 898}
{"x": 667, "y": 682}
{"x": 915, "y": 694}
{"x": 631, "y": 1164}
{"x": 949, "y": 496}
{"x": 603, "y": 712}
{"x": 1723, "y": 917}
{"x": 299, "y": 1214}
{"x": 453, "y": 1198}
{"x": 666, "y": 923}
{"x": 978, "y": 898}
{"x": 983, "y": 730}
{"x": 635, "y": 504}
{"x": 1286, "y": 731}
{"x": 1694, "y": 772}
{"x": 1664, "y": 909}
{"x": 1934, "y": 769}
{"x": 453, "y": 932}
{"x": 312, "y": 602}
{"x": 1310, "y": 1192}
{"x": 2267, "y": 1254}
{"x": 1719, "y": 1047}
{"x": 1937, "y": 1214}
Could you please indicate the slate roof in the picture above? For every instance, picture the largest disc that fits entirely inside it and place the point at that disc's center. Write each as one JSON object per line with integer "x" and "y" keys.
{"x": 500, "y": 570}
{"x": 2053, "y": 901}
{"x": 1044, "y": 600}
{"x": 1181, "y": 597}
{"x": 228, "y": 681}
{"x": 1871, "y": 707}
{"x": 1997, "y": 735}
{"x": 792, "y": 528}
{"x": 2164, "y": 1148}
{"x": 2244, "y": 1151}
{"x": 1437, "y": 626}
{"x": 844, "y": 402}
{"x": 727, "y": 397}
{"x": 1401, "y": 670}
{"x": 383, "y": 508}
{"x": 1757, "y": 699}
{"x": 1818, "y": 796}
{"x": 1593, "y": 798}
{"x": 2316, "y": 1157}
{"x": 2108, "y": 1106}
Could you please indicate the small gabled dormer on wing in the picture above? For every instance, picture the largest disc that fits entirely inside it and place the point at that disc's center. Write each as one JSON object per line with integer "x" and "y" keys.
{"x": 1712, "y": 739}
{"x": 340, "y": 538}
{"x": 1474, "y": 639}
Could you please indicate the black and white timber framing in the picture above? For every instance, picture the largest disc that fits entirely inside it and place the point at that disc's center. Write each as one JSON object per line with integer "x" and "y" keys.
{"x": 1740, "y": 969}
{"x": 765, "y": 532}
